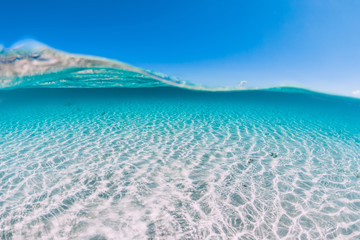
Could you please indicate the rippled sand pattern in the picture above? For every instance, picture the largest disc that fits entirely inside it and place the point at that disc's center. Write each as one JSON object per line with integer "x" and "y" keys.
{"x": 180, "y": 165}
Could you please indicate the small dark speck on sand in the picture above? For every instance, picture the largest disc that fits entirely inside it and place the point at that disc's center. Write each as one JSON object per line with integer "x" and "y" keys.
{"x": 251, "y": 160}
{"x": 358, "y": 176}
{"x": 244, "y": 185}
{"x": 273, "y": 155}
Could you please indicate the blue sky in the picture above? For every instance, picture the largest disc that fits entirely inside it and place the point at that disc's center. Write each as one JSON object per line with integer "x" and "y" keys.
{"x": 308, "y": 43}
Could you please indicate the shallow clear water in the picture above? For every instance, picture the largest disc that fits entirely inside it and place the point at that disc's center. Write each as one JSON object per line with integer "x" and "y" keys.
{"x": 167, "y": 163}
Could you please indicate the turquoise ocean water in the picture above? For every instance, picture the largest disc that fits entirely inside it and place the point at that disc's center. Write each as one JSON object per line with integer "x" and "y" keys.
{"x": 159, "y": 158}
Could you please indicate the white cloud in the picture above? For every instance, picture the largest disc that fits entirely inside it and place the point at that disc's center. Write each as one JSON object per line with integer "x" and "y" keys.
{"x": 356, "y": 92}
